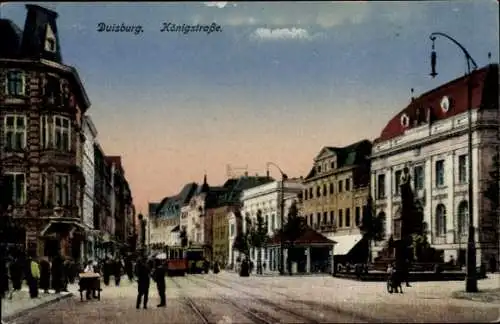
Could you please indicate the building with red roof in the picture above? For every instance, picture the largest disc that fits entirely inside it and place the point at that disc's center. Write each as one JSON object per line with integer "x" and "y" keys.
{"x": 430, "y": 137}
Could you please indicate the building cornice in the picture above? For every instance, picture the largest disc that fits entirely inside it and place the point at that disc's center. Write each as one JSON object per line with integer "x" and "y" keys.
{"x": 91, "y": 125}
{"x": 431, "y": 140}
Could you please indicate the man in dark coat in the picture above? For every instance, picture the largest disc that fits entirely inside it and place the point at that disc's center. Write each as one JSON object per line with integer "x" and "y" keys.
{"x": 44, "y": 275}
{"x": 106, "y": 270}
{"x": 16, "y": 269}
{"x": 159, "y": 277}
{"x": 129, "y": 268}
{"x": 117, "y": 271}
{"x": 142, "y": 271}
{"x": 57, "y": 272}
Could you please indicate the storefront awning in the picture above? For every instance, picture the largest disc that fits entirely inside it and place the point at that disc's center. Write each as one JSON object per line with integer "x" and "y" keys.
{"x": 345, "y": 243}
{"x": 58, "y": 226}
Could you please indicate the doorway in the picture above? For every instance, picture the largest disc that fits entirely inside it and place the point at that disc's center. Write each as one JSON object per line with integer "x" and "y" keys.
{"x": 52, "y": 247}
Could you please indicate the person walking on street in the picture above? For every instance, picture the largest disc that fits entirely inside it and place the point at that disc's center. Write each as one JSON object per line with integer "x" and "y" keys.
{"x": 16, "y": 274}
{"x": 33, "y": 277}
{"x": 129, "y": 269}
{"x": 143, "y": 272}
{"x": 106, "y": 270}
{"x": 45, "y": 275}
{"x": 117, "y": 271}
{"x": 159, "y": 277}
{"x": 57, "y": 273}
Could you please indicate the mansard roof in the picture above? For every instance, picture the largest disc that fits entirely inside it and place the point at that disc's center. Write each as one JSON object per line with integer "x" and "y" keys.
{"x": 180, "y": 199}
{"x": 427, "y": 107}
{"x": 346, "y": 156}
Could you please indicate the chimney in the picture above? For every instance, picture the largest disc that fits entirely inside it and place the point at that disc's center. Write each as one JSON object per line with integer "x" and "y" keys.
{"x": 267, "y": 173}
{"x": 40, "y": 37}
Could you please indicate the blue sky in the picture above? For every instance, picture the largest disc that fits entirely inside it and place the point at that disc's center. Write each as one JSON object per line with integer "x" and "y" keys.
{"x": 279, "y": 82}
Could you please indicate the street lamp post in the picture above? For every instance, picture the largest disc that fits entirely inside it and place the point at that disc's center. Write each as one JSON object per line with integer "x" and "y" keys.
{"x": 470, "y": 279}
{"x": 282, "y": 215}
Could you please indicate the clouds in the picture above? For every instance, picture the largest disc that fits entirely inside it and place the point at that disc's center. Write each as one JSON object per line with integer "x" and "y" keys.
{"x": 267, "y": 34}
{"x": 218, "y": 4}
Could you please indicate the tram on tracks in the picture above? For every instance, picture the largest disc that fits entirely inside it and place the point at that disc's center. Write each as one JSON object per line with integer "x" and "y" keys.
{"x": 180, "y": 261}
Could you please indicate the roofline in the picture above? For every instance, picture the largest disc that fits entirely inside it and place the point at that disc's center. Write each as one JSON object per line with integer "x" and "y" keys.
{"x": 64, "y": 68}
{"x": 88, "y": 120}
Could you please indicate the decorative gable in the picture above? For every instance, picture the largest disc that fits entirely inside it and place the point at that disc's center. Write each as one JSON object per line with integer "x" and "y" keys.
{"x": 324, "y": 154}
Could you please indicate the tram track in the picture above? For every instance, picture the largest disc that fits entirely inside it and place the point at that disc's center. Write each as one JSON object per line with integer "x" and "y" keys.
{"x": 256, "y": 315}
{"x": 318, "y": 306}
{"x": 191, "y": 304}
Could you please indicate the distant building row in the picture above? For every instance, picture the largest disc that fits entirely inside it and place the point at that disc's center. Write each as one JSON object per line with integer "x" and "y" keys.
{"x": 429, "y": 137}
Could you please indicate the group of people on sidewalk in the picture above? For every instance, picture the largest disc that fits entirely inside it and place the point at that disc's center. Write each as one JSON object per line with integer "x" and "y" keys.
{"x": 39, "y": 273}
{"x": 145, "y": 270}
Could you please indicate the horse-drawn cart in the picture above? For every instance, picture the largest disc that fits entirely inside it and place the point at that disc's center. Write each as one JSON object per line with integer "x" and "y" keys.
{"x": 90, "y": 283}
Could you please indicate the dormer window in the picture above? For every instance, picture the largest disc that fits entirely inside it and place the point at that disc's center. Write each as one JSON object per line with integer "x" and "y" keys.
{"x": 405, "y": 120}
{"x": 318, "y": 168}
{"x": 50, "y": 40}
{"x": 332, "y": 165}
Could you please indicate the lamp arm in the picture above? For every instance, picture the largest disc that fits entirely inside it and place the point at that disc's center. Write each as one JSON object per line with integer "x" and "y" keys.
{"x": 466, "y": 53}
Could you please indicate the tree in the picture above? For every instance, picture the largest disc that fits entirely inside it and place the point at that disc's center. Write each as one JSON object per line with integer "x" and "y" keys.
{"x": 241, "y": 243}
{"x": 372, "y": 225}
{"x": 492, "y": 193}
{"x": 294, "y": 228}
{"x": 258, "y": 238}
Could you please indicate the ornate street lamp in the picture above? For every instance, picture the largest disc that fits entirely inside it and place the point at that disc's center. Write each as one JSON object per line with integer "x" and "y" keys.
{"x": 470, "y": 279}
{"x": 284, "y": 177}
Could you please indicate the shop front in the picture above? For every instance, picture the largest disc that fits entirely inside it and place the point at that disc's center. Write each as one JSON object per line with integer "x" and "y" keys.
{"x": 63, "y": 237}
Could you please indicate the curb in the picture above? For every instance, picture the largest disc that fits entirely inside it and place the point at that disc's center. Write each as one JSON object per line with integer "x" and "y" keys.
{"x": 23, "y": 312}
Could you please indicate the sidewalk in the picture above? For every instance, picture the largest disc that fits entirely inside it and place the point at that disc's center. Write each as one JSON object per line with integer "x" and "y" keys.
{"x": 22, "y": 303}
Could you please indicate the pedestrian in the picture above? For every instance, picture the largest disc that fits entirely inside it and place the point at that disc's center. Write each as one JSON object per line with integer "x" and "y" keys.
{"x": 142, "y": 271}
{"x": 4, "y": 278}
{"x": 159, "y": 278}
{"x": 16, "y": 269}
{"x": 45, "y": 275}
{"x": 89, "y": 268}
{"x": 33, "y": 277}
{"x": 57, "y": 273}
{"x": 106, "y": 270}
{"x": 129, "y": 269}
{"x": 117, "y": 271}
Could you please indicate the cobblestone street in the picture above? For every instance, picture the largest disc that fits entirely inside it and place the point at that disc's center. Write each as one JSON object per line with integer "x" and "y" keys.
{"x": 226, "y": 298}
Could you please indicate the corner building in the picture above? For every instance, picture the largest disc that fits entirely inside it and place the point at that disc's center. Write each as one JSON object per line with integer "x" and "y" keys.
{"x": 430, "y": 137}
{"x": 43, "y": 102}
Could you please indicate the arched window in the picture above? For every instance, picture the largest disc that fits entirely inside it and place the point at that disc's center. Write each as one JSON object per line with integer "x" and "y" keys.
{"x": 463, "y": 217}
{"x": 440, "y": 220}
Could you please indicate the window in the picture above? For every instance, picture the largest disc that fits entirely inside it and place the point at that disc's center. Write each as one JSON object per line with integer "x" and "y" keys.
{"x": 50, "y": 40}
{"x": 15, "y": 132}
{"x": 331, "y": 188}
{"x": 273, "y": 221}
{"x": 418, "y": 177}
{"x": 341, "y": 218}
{"x": 441, "y": 220}
{"x": 319, "y": 168}
{"x": 311, "y": 193}
{"x": 347, "y": 184}
{"x": 324, "y": 190}
{"x": 318, "y": 191}
{"x": 347, "y": 217}
{"x": 311, "y": 220}
{"x": 332, "y": 217}
{"x": 462, "y": 168}
{"x": 61, "y": 194}
{"x": 45, "y": 189}
{"x": 17, "y": 183}
{"x": 357, "y": 215}
{"x": 381, "y": 186}
{"x": 397, "y": 182}
{"x": 332, "y": 165}
{"x": 305, "y": 194}
{"x": 340, "y": 185}
{"x": 232, "y": 230}
{"x": 318, "y": 218}
{"x": 463, "y": 217}
{"x": 440, "y": 173}
{"x": 325, "y": 217}
{"x": 62, "y": 129}
{"x": 15, "y": 83}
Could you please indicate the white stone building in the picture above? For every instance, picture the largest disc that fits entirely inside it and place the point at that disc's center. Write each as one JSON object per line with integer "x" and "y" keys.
{"x": 430, "y": 137}
{"x": 90, "y": 133}
{"x": 266, "y": 198}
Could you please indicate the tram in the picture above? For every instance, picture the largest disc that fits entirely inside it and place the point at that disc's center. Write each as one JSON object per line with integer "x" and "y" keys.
{"x": 196, "y": 261}
{"x": 176, "y": 261}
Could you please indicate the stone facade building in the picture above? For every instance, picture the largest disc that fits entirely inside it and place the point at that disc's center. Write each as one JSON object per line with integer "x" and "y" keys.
{"x": 43, "y": 102}
{"x": 88, "y": 167}
{"x": 336, "y": 190}
{"x": 430, "y": 137}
